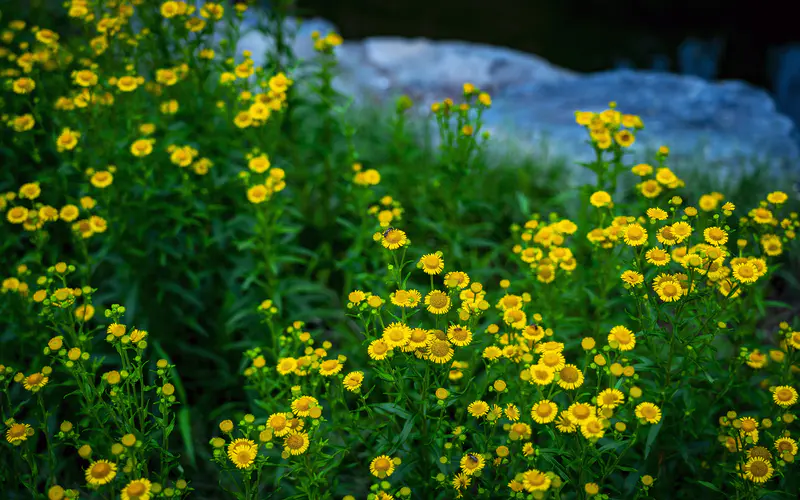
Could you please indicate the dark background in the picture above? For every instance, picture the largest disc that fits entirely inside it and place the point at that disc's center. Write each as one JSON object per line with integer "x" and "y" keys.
{"x": 744, "y": 40}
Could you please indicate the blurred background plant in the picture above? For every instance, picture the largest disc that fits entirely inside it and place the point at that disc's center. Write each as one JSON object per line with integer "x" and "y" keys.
{"x": 189, "y": 185}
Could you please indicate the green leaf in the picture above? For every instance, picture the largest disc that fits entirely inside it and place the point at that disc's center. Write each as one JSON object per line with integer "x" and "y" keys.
{"x": 403, "y": 436}
{"x": 393, "y": 408}
{"x": 710, "y": 486}
{"x": 651, "y": 436}
{"x": 185, "y": 426}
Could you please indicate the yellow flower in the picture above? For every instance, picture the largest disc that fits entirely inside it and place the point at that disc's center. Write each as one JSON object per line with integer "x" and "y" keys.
{"x": 459, "y": 335}
{"x": 302, "y": 406}
{"x": 745, "y": 272}
{"x": 648, "y": 412}
{"x": 67, "y": 140}
{"x": 570, "y": 377}
{"x": 544, "y": 412}
{"x": 632, "y": 278}
{"x": 330, "y": 367}
{"x": 257, "y": 194}
{"x": 650, "y": 188}
{"x": 715, "y": 236}
{"x": 259, "y": 164}
{"x": 478, "y": 408}
{"x": 600, "y": 199}
{"x": 431, "y": 263}
{"x": 242, "y": 452}
{"x": 461, "y": 481}
{"x": 353, "y": 380}
{"x": 592, "y": 429}
{"x": 393, "y": 239}
{"x": 621, "y": 338}
{"x": 23, "y": 123}
{"x": 138, "y": 489}
{"x": 624, "y": 138}
{"x": 668, "y": 289}
{"x": 102, "y": 179}
{"x": 777, "y": 197}
{"x": 101, "y": 472}
{"x": 381, "y": 466}
{"x": 610, "y": 398}
{"x": 17, "y": 433}
{"x": 761, "y": 215}
{"x": 84, "y": 312}
{"x": 579, "y": 413}
{"x": 472, "y": 463}
{"x": 534, "y": 480}
{"x": 35, "y": 381}
{"x": 784, "y": 396}
{"x": 356, "y": 297}
{"x": 758, "y": 470}
{"x": 786, "y": 445}
{"x": 69, "y": 213}
{"x": 85, "y": 78}
{"x": 437, "y": 302}
{"x": 378, "y": 349}
{"x": 142, "y": 147}
{"x": 440, "y": 351}
{"x": 656, "y": 213}
{"x": 279, "y": 423}
{"x": 642, "y": 170}
{"x": 541, "y": 374}
{"x": 23, "y": 85}
{"x": 17, "y": 215}
{"x": 635, "y": 235}
{"x": 127, "y": 83}
{"x": 772, "y": 245}
{"x": 406, "y": 298}
{"x": 212, "y": 10}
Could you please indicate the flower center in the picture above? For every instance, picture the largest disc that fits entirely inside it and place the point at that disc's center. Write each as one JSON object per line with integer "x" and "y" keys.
{"x": 440, "y": 348}
{"x": 418, "y": 335}
{"x": 569, "y": 374}
{"x": 459, "y": 334}
{"x": 431, "y": 262}
{"x": 100, "y": 470}
{"x": 35, "y": 379}
{"x": 581, "y": 412}
{"x": 438, "y": 300}
{"x": 136, "y": 489}
{"x": 393, "y": 237}
{"x": 380, "y": 347}
{"x": 295, "y": 442}
{"x": 759, "y": 469}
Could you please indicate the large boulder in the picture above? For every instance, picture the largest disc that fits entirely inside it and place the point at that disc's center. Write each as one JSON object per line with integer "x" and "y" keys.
{"x": 728, "y": 126}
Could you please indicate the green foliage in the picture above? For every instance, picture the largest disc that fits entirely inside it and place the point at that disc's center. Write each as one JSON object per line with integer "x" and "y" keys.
{"x": 405, "y": 299}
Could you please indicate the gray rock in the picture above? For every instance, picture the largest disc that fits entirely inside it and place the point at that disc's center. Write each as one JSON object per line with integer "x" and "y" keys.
{"x": 729, "y": 125}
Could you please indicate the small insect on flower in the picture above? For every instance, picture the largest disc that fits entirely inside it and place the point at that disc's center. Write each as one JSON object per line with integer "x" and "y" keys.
{"x": 386, "y": 232}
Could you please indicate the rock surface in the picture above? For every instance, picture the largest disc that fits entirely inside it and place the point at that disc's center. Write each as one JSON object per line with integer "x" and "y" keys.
{"x": 730, "y": 124}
